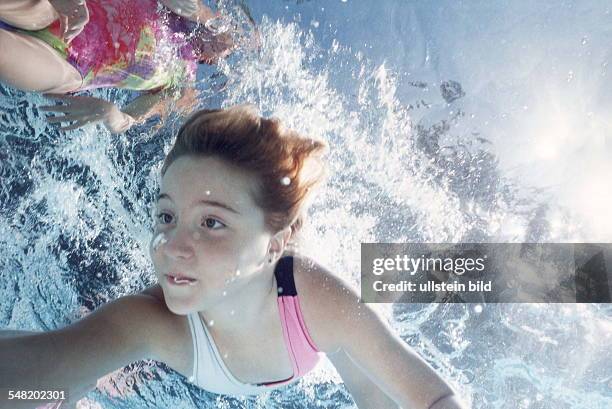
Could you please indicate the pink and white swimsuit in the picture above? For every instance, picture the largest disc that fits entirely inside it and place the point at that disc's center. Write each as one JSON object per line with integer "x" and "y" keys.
{"x": 209, "y": 369}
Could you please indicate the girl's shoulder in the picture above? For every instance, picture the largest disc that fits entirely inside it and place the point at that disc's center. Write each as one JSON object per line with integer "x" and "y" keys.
{"x": 322, "y": 297}
{"x": 170, "y": 334}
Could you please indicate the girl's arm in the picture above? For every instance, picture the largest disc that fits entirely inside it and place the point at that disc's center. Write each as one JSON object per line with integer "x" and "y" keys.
{"x": 354, "y": 335}
{"x": 159, "y": 103}
{"x": 83, "y": 110}
{"x": 364, "y": 392}
{"x": 73, "y": 358}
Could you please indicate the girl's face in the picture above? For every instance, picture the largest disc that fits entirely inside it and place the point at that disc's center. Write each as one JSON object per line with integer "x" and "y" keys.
{"x": 210, "y": 238}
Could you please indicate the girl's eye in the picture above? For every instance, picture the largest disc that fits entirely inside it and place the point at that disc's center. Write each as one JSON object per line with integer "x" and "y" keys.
{"x": 164, "y": 218}
{"x": 210, "y": 223}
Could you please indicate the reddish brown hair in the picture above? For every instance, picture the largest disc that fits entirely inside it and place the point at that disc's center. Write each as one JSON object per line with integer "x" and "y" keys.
{"x": 287, "y": 165}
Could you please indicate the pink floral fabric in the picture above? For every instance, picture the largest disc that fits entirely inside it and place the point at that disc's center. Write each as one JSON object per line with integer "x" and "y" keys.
{"x": 134, "y": 44}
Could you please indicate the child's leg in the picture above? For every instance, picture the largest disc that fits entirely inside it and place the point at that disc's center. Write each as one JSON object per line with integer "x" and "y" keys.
{"x": 27, "y": 14}
{"x": 31, "y": 64}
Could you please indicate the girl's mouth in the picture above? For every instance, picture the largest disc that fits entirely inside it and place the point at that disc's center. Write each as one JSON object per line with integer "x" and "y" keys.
{"x": 177, "y": 279}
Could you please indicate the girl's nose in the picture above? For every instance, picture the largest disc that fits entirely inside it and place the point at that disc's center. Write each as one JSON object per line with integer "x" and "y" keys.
{"x": 179, "y": 244}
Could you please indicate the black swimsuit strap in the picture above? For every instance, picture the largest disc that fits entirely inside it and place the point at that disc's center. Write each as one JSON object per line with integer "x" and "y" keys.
{"x": 284, "y": 277}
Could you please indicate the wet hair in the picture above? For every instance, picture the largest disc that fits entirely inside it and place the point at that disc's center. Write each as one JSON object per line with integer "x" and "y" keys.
{"x": 286, "y": 165}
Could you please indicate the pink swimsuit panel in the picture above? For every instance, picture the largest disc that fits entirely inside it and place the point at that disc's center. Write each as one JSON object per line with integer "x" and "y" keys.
{"x": 303, "y": 352}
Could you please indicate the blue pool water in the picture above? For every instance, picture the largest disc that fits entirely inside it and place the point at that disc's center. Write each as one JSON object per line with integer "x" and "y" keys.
{"x": 448, "y": 121}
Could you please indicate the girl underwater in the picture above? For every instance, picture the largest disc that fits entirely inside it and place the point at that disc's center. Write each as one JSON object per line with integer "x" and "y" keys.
{"x": 238, "y": 310}
{"x": 63, "y": 46}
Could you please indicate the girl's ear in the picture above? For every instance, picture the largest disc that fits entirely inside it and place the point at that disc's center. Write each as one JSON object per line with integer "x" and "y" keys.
{"x": 278, "y": 242}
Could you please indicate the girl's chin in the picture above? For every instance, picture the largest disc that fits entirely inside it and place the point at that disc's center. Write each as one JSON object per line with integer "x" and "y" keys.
{"x": 188, "y": 300}
{"x": 180, "y": 302}
{"x": 180, "y": 306}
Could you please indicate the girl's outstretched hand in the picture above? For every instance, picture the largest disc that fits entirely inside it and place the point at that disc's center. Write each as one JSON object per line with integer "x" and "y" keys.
{"x": 83, "y": 111}
{"x": 73, "y": 16}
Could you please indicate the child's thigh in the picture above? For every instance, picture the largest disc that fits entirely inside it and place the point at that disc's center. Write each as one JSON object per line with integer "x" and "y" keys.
{"x": 27, "y": 14}
{"x": 31, "y": 64}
